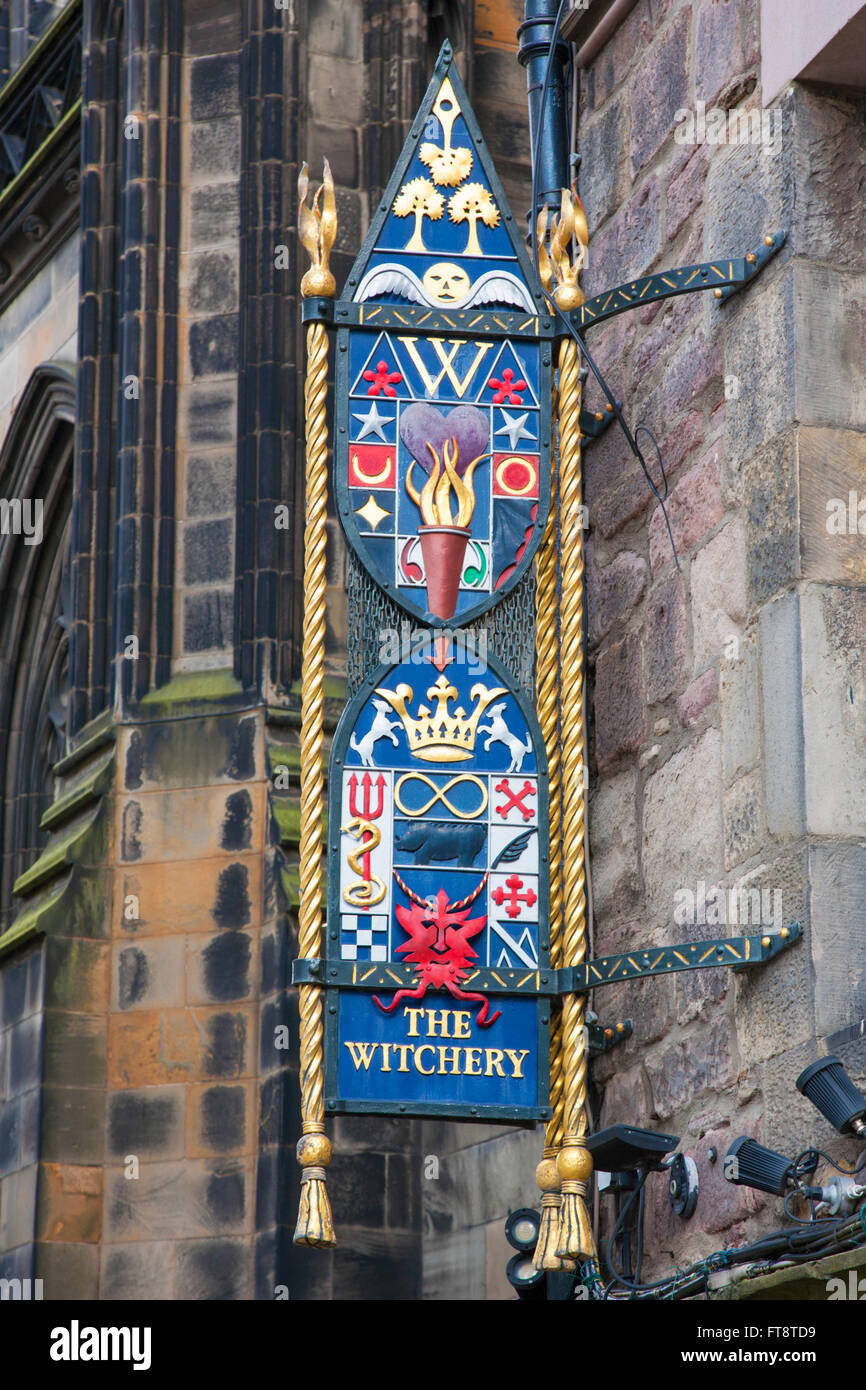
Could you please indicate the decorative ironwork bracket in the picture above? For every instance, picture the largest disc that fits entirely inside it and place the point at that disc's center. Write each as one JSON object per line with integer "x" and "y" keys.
{"x": 724, "y": 276}
{"x": 733, "y": 952}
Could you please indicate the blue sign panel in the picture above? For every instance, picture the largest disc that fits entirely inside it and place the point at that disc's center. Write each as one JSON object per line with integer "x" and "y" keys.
{"x": 438, "y": 893}
{"x": 444, "y": 378}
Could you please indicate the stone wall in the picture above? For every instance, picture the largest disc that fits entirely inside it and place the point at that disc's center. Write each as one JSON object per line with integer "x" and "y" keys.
{"x": 727, "y": 692}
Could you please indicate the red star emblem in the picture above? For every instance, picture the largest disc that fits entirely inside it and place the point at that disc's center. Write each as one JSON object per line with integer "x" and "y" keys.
{"x": 507, "y": 389}
{"x": 381, "y": 380}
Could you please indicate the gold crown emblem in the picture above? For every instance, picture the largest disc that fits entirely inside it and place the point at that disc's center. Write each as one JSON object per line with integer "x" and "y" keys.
{"x": 441, "y": 737}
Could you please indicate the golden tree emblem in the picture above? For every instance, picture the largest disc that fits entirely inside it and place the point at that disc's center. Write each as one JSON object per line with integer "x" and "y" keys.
{"x": 418, "y": 199}
{"x": 469, "y": 204}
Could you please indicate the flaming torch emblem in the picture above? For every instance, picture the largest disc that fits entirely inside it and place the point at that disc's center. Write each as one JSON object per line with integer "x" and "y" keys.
{"x": 448, "y": 448}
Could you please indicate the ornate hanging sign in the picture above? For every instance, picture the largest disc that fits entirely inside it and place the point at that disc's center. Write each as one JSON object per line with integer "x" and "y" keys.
{"x": 438, "y": 901}
{"x": 442, "y": 450}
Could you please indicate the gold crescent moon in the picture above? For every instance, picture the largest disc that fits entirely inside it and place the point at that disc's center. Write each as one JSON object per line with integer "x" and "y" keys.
{"x": 530, "y": 473}
{"x": 371, "y": 479}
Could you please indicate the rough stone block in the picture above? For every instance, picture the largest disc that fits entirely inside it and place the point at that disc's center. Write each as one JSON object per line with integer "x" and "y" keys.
{"x": 170, "y": 899}
{"x": 680, "y": 849}
{"x": 220, "y": 1120}
{"x": 838, "y": 874}
{"x": 686, "y": 1071}
{"x": 212, "y": 1269}
{"x": 70, "y": 1203}
{"x": 18, "y": 1207}
{"x": 613, "y": 591}
{"x": 774, "y": 1003}
{"x": 148, "y": 974}
{"x": 208, "y": 620}
{"x": 210, "y": 484}
{"x": 138, "y": 1270}
{"x": 613, "y": 820}
{"x": 741, "y": 719}
{"x": 214, "y": 214}
{"x": 664, "y": 651}
{"x": 727, "y": 45}
{"x": 718, "y": 593}
{"x": 833, "y": 627}
{"x": 220, "y": 967}
{"x": 830, "y": 310}
{"x": 212, "y": 278}
{"x": 685, "y": 191}
{"x": 698, "y": 698}
{"x": 603, "y": 142}
{"x": 214, "y": 86}
{"x": 782, "y": 717}
{"x": 213, "y": 346}
{"x": 215, "y": 150}
{"x": 192, "y": 822}
{"x": 207, "y": 413}
{"x": 744, "y": 818}
{"x": 68, "y": 1271}
{"x": 619, "y": 704}
{"x": 148, "y": 1123}
{"x": 660, "y": 87}
{"x": 694, "y": 507}
{"x": 771, "y": 514}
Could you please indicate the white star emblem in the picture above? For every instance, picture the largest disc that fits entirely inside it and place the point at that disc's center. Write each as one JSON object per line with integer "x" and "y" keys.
{"x": 514, "y": 427}
{"x": 373, "y": 422}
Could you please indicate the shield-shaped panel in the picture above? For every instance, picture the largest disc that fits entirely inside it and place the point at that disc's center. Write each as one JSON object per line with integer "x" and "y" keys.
{"x": 443, "y": 379}
{"x": 437, "y": 922}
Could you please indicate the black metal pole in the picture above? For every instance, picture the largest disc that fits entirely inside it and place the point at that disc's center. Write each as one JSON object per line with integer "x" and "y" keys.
{"x": 536, "y": 34}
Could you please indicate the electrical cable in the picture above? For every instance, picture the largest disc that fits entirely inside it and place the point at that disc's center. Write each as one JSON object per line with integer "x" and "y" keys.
{"x": 556, "y": 311}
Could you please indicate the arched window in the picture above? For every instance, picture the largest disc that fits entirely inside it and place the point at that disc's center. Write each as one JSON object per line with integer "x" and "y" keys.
{"x": 35, "y": 508}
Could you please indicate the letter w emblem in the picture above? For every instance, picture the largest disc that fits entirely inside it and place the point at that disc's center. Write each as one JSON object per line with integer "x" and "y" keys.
{"x": 446, "y": 360}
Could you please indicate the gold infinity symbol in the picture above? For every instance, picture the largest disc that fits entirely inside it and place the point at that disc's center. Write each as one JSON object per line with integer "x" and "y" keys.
{"x": 440, "y": 794}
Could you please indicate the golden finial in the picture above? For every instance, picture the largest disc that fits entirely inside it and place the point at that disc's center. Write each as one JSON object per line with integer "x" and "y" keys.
{"x": 556, "y": 268}
{"x": 317, "y": 227}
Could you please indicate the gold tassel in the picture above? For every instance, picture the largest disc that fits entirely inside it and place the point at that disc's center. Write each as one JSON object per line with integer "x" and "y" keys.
{"x": 318, "y": 229}
{"x": 574, "y": 1164}
{"x": 547, "y": 690}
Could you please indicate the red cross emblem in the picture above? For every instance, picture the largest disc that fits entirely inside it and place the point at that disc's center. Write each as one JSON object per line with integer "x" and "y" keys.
{"x": 515, "y": 898}
{"x": 515, "y": 798}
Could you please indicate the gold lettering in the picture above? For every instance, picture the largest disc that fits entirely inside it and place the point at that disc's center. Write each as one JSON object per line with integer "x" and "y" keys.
{"x": 386, "y": 1054}
{"x": 414, "y": 1015}
{"x": 461, "y": 1023}
{"x": 425, "y": 1071}
{"x": 455, "y": 1060}
{"x": 364, "y": 1055}
{"x": 403, "y": 1048}
{"x": 438, "y": 1020}
{"x": 473, "y": 1061}
{"x": 447, "y": 360}
{"x": 494, "y": 1059}
{"x": 516, "y": 1059}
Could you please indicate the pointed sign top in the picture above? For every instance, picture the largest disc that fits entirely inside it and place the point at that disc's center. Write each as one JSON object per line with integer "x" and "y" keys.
{"x": 444, "y": 236}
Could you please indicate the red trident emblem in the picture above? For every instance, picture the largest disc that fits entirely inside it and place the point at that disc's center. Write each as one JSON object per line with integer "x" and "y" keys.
{"x": 370, "y": 889}
{"x": 515, "y": 799}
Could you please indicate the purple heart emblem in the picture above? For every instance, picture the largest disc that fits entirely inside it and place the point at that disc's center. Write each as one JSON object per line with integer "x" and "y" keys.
{"x": 422, "y": 425}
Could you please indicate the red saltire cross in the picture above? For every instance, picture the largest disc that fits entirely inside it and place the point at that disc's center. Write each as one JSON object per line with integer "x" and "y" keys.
{"x": 507, "y": 389}
{"x": 382, "y": 380}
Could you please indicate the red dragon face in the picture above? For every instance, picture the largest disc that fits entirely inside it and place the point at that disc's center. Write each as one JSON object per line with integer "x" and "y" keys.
{"x": 438, "y": 947}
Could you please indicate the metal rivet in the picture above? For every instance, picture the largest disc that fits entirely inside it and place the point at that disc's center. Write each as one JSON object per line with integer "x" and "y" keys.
{"x": 769, "y": 240}
{"x": 717, "y": 294}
